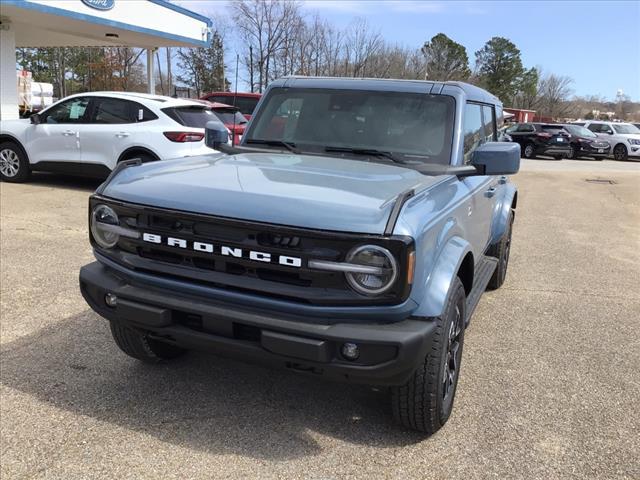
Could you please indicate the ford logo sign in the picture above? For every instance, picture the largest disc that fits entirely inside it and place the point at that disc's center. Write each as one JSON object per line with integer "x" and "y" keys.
{"x": 100, "y": 4}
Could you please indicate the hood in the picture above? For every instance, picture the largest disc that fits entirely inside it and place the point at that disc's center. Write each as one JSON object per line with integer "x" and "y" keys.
{"x": 297, "y": 190}
{"x": 7, "y": 124}
{"x": 597, "y": 140}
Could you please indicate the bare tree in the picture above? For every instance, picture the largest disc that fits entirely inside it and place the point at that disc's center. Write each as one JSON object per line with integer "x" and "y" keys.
{"x": 264, "y": 28}
{"x": 554, "y": 92}
{"x": 361, "y": 45}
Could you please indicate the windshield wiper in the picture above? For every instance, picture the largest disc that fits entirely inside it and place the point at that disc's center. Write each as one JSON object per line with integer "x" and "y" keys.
{"x": 275, "y": 143}
{"x": 371, "y": 152}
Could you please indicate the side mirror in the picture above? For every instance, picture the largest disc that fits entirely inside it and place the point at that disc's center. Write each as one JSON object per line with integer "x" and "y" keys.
{"x": 215, "y": 134}
{"x": 610, "y": 132}
{"x": 497, "y": 158}
{"x": 35, "y": 119}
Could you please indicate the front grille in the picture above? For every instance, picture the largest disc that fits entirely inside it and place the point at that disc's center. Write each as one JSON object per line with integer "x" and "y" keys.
{"x": 285, "y": 246}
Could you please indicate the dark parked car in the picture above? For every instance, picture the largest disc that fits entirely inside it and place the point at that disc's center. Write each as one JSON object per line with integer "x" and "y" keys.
{"x": 584, "y": 143}
{"x": 540, "y": 139}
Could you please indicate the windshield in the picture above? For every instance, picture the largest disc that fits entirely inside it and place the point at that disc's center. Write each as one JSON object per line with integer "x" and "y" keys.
{"x": 246, "y": 105}
{"x": 625, "y": 128}
{"x": 229, "y": 117}
{"x": 552, "y": 129}
{"x": 415, "y": 126}
{"x": 191, "y": 116}
{"x": 579, "y": 131}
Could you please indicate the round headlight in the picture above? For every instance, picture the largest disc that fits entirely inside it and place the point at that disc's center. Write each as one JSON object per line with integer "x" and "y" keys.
{"x": 103, "y": 215}
{"x": 384, "y": 272}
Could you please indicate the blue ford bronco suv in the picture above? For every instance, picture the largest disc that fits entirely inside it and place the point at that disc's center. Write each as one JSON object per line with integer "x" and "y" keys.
{"x": 349, "y": 236}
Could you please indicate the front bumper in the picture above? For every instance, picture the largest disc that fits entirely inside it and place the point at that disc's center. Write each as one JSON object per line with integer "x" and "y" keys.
{"x": 389, "y": 352}
{"x": 634, "y": 151}
{"x": 591, "y": 151}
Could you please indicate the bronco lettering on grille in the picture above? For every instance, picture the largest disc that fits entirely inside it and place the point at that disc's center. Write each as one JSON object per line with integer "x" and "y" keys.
{"x": 224, "y": 250}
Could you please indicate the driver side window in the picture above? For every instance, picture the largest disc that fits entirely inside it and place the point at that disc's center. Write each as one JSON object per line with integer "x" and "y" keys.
{"x": 71, "y": 111}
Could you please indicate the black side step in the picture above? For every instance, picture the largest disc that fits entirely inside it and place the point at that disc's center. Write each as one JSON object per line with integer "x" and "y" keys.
{"x": 481, "y": 278}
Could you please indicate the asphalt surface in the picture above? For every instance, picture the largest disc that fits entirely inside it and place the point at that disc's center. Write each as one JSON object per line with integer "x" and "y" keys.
{"x": 550, "y": 384}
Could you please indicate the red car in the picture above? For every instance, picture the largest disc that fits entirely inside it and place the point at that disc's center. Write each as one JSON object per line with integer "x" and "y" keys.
{"x": 245, "y": 102}
{"x": 230, "y": 116}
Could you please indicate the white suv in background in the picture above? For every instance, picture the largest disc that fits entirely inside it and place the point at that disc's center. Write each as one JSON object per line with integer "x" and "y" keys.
{"x": 624, "y": 138}
{"x": 89, "y": 133}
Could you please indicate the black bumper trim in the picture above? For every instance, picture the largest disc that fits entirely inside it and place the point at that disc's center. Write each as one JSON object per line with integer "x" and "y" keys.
{"x": 390, "y": 352}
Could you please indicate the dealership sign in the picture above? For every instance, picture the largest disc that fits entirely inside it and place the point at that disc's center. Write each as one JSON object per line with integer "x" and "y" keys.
{"x": 100, "y": 4}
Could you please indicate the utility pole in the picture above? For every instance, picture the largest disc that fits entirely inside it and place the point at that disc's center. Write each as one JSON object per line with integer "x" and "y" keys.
{"x": 169, "y": 79}
{"x": 251, "y": 67}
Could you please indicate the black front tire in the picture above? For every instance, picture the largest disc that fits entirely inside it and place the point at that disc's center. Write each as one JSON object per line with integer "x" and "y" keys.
{"x": 14, "y": 165}
{"x": 558, "y": 157}
{"x": 501, "y": 251}
{"x": 529, "y": 151}
{"x": 620, "y": 152}
{"x": 425, "y": 402}
{"x": 138, "y": 345}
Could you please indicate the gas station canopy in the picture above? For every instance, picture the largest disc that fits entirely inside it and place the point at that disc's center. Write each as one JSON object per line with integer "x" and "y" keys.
{"x": 84, "y": 23}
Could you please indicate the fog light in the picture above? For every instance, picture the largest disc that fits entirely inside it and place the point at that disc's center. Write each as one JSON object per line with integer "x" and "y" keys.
{"x": 111, "y": 300}
{"x": 350, "y": 351}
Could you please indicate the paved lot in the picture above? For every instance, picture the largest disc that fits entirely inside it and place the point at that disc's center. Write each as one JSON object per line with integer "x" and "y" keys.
{"x": 550, "y": 384}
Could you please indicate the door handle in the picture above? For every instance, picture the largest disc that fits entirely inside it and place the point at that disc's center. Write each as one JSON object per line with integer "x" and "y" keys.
{"x": 122, "y": 134}
{"x": 491, "y": 192}
{"x": 68, "y": 133}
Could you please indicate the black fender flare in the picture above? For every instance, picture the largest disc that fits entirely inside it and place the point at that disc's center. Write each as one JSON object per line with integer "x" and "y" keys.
{"x": 501, "y": 212}
{"x": 443, "y": 272}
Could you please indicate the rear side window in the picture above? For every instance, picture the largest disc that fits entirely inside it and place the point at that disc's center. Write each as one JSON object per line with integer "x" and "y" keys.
{"x": 142, "y": 113}
{"x": 525, "y": 128}
{"x": 118, "y": 111}
{"x": 553, "y": 129}
{"x": 191, "y": 116}
{"x": 112, "y": 110}
{"x": 473, "y": 130}
{"x": 499, "y": 117}
{"x": 489, "y": 123}
{"x": 600, "y": 128}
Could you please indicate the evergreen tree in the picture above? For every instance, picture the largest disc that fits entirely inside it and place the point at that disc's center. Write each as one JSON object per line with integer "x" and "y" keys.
{"x": 446, "y": 59}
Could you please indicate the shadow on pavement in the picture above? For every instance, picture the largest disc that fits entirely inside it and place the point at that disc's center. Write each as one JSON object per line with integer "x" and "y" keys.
{"x": 70, "y": 182}
{"x": 200, "y": 401}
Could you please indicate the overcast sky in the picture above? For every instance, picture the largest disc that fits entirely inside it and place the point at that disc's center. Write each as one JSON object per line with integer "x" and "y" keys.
{"x": 597, "y": 43}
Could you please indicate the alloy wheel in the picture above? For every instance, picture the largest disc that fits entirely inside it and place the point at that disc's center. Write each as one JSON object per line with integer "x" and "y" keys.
{"x": 619, "y": 152}
{"x": 9, "y": 163}
{"x": 453, "y": 358}
{"x": 528, "y": 151}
